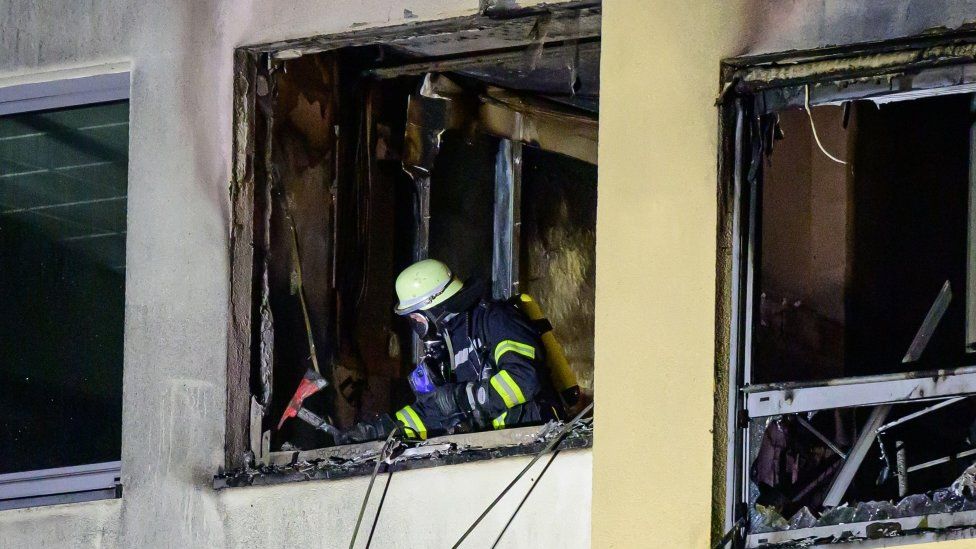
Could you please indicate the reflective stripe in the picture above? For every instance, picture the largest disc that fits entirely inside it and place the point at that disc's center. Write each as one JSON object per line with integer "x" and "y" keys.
{"x": 414, "y": 427}
{"x": 499, "y": 422}
{"x": 515, "y": 347}
{"x": 507, "y": 389}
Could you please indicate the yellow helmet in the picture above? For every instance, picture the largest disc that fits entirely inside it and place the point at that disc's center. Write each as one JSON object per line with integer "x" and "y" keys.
{"x": 423, "y": 285}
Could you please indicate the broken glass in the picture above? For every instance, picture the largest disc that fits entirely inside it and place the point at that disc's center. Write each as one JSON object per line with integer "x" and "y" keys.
{"x": 766, "y": 519}
{"x": 914, "y": 505}
{"x": 803, "y": 519}
{"x": 874, "y": 510}
{"x": 842, "y": 514}
{"x": 945, "y": 500}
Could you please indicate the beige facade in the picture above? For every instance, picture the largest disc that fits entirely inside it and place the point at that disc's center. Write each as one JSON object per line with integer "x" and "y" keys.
{"x": 653, "y": 474}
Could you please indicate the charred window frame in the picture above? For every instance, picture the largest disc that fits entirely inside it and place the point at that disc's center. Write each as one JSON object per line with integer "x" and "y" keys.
{"x": 432, "y": 66}
{"x": 754, "y": 89}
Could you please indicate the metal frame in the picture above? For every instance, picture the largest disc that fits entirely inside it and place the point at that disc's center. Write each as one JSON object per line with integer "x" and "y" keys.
{"x": 44, "y": 91}
{"x": 918, "y": 529}
{"x": 792, "y": 398}
{"x": 971, "y": 243}
{"x": 735, "y": 434}
{"x": 883, "y": 72}
{"x": 842, "y": 481}
{"x": 928, "y": 326}
{"x": 57, "y": 90}
{"x": 508, "y": 219}
{"x": 61, "y": 485}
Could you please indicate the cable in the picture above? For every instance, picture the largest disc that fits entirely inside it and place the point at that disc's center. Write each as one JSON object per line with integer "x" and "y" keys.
{"x": 376, "y": 518}
{"x": 524, "y": 498}
{"x": 372, "y": 478}
{"x": 300, "y": 280}
{"x": 806, "y": 107}
{"x": 552, "y": 444}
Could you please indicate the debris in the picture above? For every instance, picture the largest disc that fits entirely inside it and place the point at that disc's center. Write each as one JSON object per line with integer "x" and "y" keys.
{"x": 766, "y": 519}
{"x": 946, "y": 500}
{"x": 405, "y": 456}
{"x": 821, "y": 436}
{"x": 966, "y": 483}
{"x": 803, "y": 519}
{"x": 874, "y": 510}
{"x": 841, "y": 514}
{"x": 792, "y": 467}
{"x": 914, "y": 505}
{"x": 903, "y": 419}
{"x": 856, "y": 455}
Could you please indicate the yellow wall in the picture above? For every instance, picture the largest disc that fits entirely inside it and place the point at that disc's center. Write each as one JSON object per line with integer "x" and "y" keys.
{"x": 655, "y": 300}
{"x": 656, "y": 227}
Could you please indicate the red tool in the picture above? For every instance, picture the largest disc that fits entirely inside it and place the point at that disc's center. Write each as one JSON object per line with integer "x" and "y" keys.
{"x": 311, "y": 383}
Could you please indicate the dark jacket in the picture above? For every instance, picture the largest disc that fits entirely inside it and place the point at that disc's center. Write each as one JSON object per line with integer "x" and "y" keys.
{"x": 498, "y": 375}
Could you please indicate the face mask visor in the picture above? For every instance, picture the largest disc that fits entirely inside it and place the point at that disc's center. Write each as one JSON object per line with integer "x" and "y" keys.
{"x": 419, "y": 324}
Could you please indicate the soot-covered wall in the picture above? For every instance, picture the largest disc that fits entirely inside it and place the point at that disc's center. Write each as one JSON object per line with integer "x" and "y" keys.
{"x": 558, "y": 250}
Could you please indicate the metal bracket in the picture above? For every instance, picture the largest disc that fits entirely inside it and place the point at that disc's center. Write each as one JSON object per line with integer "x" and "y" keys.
{"x": 508, "y": 185}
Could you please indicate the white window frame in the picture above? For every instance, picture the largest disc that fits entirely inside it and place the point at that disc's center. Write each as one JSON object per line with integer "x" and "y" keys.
{"x": 43, "y": 91}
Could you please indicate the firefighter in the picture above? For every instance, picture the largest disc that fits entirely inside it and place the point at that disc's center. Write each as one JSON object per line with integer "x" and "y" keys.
{"x": 483, "y": 364}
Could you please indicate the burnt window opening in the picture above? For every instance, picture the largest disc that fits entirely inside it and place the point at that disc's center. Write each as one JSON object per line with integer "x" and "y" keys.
{"x": 851, "y": 358}
{"x": 361, "y": 159}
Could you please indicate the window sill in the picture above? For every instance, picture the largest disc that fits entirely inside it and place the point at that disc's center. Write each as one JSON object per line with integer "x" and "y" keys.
{"x": 887, "y": 532}
{"x": 359, "y": 459}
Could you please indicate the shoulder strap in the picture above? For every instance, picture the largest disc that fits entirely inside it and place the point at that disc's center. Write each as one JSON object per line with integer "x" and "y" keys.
{"x": 540, "y": 325}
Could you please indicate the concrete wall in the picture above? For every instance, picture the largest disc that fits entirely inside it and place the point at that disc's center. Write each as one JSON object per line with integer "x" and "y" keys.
{"x": 177, "y": 291}
{"x": 655, "y": 327}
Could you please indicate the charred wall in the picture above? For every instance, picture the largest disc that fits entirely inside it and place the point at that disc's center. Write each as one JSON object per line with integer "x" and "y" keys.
{"x": 462, "y": 193}
{"x": 558, "y": 250}
{"x": 340, "y": 224}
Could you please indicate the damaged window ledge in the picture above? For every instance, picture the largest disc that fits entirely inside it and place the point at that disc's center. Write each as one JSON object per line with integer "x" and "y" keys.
{"x": 894, "y": 531}
{"x": 359, "y": 459}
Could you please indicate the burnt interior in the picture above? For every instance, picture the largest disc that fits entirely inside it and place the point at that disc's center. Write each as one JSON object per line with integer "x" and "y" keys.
{"x": 855, "y": 255}
{"x": 851, "y": 259}
{"x": 340, "y": 138}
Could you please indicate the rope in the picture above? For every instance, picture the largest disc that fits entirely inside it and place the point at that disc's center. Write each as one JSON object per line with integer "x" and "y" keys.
{"x": 525, "y": 497}
{"x": 376, "y": 518}
{"x": 372, "y": 478}
{"x": 552, "y": 444}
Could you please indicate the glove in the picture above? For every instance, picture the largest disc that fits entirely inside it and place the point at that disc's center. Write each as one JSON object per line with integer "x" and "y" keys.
{"x": 365, "y": 431}
{"x": 444, "y": 399}
{"x": 459, "y": 398}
